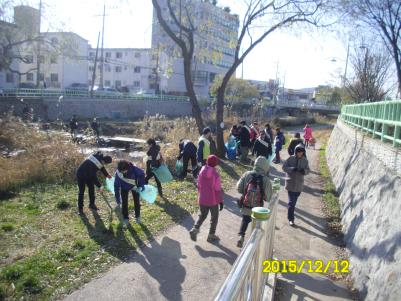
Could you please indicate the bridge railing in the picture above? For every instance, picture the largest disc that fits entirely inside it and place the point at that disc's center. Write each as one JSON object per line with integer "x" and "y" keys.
{"x": 297, "y": 104}
{"x": 381, "y": 119}
{"x": 56, "y": 93}
{"x": 246, "y": 280}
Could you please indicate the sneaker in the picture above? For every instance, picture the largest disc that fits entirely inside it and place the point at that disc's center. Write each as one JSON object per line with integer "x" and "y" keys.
{"x": 138, "y": 220}
{"x": 193, "y": 232}
{"x": 240, "y": 241}
{"x": 212, "y": 238}
{"x": 292, "y": 224}
{"x": 93, "y": 207}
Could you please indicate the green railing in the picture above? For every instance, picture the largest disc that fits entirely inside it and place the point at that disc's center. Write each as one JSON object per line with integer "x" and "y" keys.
{"x": 381, "y": 119}
{"x": 56, "y": 93}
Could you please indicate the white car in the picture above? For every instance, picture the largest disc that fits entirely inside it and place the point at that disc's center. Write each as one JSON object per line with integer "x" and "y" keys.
{"x": 107, "y": 91}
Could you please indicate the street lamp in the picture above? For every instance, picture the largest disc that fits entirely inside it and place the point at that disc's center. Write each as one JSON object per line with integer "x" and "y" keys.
{"x": 365, "y": 75}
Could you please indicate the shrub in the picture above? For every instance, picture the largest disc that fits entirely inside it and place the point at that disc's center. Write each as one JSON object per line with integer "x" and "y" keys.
{"x": 12, "y": 272}
{"x": 63, "y": 204}
{"x": 8, "y": 227}
{"x": 45, "y": 158}
{"x": 31, "y": 285}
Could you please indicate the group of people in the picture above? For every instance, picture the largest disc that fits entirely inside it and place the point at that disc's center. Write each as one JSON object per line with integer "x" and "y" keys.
{"x": 254, "y": 186}
{"x": 73, "y": 125}
{"x": 260, "y": 142}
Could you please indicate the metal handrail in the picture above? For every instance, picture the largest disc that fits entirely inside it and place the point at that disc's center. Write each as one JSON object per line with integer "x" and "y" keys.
{"x": 297, "y": 104}
{"x": 381, "y": 119}
{"x": 246, "y": 280}
{"x": 56, "y": 93}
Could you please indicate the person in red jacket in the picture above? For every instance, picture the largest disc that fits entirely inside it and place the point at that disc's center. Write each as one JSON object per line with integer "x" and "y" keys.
{"x": 210, "y": 198}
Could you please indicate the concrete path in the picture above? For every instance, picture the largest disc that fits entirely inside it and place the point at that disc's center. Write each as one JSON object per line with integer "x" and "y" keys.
{"x": 173, "y": 267}
{"x": 307, "y": 241}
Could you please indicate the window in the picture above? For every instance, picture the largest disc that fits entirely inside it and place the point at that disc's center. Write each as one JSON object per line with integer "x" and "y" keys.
{"x": 119, "y": 55}
{"x": 29, "y": 77}
{"x": 211, "y": 76}
{"x": 118, "y": 83}
{"x": 41, "y": 59}
{"x": 29, "y": 59}
{"x": 118, "y": 69}
{"x": 54, "y": 77}
{"x": 108, "y": 54}
{"x": 137, "y": 84}
{"x": 53, "y": 60}
{"x": 125, "y": 68}
{"x": 9, "y": 78}
{"x": 91, "y": 68}
{"x": 137, "y": 54}
{"x": 137, "y": 69}
{"x": 91, "y": 54}
{"x": 107, "y": 68}
{"x": 41, "y": 77}
{"x": 107, "y": 83}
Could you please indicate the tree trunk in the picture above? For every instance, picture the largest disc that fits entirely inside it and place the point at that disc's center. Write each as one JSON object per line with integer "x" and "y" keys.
{"x": 221, "y": 150}
{"x": 196, "y": 111}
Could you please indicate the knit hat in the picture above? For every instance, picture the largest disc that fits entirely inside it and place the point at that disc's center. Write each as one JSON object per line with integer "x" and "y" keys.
{"x": 107, "y": 159}
{"x": 212, "y": 161}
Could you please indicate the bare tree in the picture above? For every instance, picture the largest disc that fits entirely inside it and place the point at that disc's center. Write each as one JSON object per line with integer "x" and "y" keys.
{"x": 184, "y": 37}
{"x": 261, "y": 18}
{"x": 371, "y": 72}
{"x": 383, "y": 16}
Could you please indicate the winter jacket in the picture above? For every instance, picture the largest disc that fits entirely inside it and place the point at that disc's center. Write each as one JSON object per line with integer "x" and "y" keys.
{"x": 153, "y": 158}
{"x": 296, "y": 168}
{"x": 293, "y": 143}
{"x": 261, "y": 167}
{"x": 269, "y": 134}
{"x": 133, "y": 177}
{"x": 73, "y": 124}
{"x": 254, "y": 133}
{"x": 187, "y": 149}
{"x": 89, "y": 167}
{"x": 308, "y": 133}
{"x": 262, "y": 148}
{"x": 209, "y": 187}
{"x": 245, "y": 136}
{"x": 279, "y": 141}
{"x": 203, "y": 149}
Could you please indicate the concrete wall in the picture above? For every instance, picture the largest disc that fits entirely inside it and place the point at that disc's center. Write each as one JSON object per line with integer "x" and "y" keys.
{"x": 102, "y": 108}
{"x": 366, "y": 173}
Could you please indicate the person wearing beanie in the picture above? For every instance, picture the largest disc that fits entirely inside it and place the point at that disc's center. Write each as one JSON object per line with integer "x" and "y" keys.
{"x": 253, "y": 185}
{"x": 296, "y": 167}
{"x": 86, "y": 176}
{"x": 294, "y": 142}
{"x": 210, "y": 198}
{"x": 204, "y": 146}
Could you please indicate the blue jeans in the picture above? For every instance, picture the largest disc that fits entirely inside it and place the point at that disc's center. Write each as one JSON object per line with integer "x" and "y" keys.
{"x": 293, "y": 198}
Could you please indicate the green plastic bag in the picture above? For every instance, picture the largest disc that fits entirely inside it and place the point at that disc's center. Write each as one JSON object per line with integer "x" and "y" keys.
{"x": 110, "y": 184}
{"x": 163, "y": 174}
{"x": 149, "y": 194}
{"x": 179, "y": 166}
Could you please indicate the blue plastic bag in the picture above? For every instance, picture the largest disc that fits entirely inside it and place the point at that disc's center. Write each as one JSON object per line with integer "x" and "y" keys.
{"x": 110, "y": 184}
{"x": 231, "y": 152}
{"x": 149, "y": 194}
{"x": 163, "y": 174}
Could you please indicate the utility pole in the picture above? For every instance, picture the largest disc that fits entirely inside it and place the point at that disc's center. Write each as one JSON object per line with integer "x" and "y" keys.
{"x": 346, "y": 67}
{"x": 38, "y": 50}
{"x": 102, "y": 51}
{"x": 95, "y": 65}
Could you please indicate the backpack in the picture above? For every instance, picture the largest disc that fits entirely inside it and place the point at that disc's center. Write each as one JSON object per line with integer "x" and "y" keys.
{"x": 254, "y": 194}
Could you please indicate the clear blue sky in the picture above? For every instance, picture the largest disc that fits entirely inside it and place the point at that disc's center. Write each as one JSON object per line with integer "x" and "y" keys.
{"x": 304, "y": 60}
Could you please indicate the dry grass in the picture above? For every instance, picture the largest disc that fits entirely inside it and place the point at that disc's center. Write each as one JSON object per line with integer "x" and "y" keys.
{"x": 45, "y": 158}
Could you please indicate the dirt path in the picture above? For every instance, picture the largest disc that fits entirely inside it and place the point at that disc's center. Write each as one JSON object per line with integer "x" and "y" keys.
{"x": 307, "y": 241}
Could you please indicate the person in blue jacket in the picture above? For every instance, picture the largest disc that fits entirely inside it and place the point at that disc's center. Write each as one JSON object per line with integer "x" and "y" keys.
{"x": 279, "y": 141}
{"x": 128, "y": 177}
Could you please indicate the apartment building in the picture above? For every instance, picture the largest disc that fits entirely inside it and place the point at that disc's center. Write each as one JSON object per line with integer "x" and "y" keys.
{"x": 214, "y": 47}
{"x": 123, "y": 68}
{"x": 60, "y": 56}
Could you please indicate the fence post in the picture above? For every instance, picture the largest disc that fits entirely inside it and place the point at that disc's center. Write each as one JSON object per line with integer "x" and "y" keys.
{"x": 260, "y": 216}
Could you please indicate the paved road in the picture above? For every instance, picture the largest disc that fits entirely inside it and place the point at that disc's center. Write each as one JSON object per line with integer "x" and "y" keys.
{"x": 307, "y": 241}
{"x": 175, "y": 268}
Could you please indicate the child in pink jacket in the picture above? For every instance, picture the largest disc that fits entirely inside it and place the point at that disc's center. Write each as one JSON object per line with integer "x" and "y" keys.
{"x": 210, "y": 198}
{"x": 307, "y": 134}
